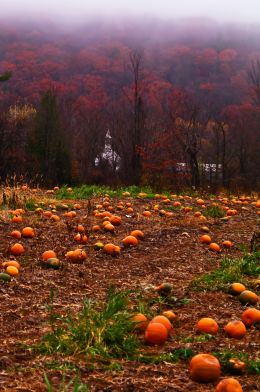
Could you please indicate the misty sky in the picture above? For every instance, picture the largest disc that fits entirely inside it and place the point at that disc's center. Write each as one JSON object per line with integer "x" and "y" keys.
{"x": 226, "y": 10}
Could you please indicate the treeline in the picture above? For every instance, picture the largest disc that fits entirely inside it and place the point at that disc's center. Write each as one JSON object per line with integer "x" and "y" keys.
{"x": 172, "y": 115}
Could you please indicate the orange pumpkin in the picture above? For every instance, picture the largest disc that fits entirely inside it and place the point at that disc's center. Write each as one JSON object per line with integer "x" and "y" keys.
{"x": 17, "y": 219}
{"x": 227, "y": 244}
{"x": 235, "y": 329}
{"x": 13, "y": 263}
{"x": 205, "y": 239}
{"x": 169, "y": 314}
{"x": 207, "y": 325}
{"x": 236, "y": 288}
{"x": 80, "y": 228}
{"x": 164, "y": 321}
{"x": 147, "y": 213}
{"x": 251, "y": 316}
{"x": 130, "y": 240}
{"x": 17, "y": 249}
{"x": 214, "y": 247}
{"x": 204, "y": 368}
{"x": 16, "y": 234}
{"x": 115, "y": 220}
{"x": 111, "y": 249}
{"x": 248, "y": 297}
{"x": 138, "y": 234}
{"x": 12, "y": 271}
{"x": 229, "y": 385}
{"x": 141, "y": 322}
{"x": 155, "y": 334}
{"x": 76, "y": 256}
{"x": 28, "y": 232}
{"x": 109, "y": 227}
{"x": 48, "y": 254}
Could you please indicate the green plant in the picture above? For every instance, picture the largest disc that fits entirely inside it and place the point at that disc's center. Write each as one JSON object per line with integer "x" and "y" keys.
{"x": 106, "y": 332}
{"x": 73, "y": 385}
{"x": 214, "y": 212}
{"x": 30, "y": 204}
{"x": 252, "y": 365}
{"x": 181, "y": 354}
{"x": 87, "y": 191}
{"x": 230, "y": 270}
{"x": 201, "y": 338}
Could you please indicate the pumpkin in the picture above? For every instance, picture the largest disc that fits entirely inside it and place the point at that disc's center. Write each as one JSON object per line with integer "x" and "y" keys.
{"x": 140, "y": 321}
{"x": 28, "y": 232}
{"x": 229, "y": 385}
{"x": 138, "y": 234}
{"x": 164, "y": 321}
{"x": 204, "y": 368}
{"x": 235, "y": 329}
{"x": 12, "y": 271}
{"x": 130, "y": 240}
{"x": 251, "y": 316}
{"x": 205, "y": 239}
{"x": 16, "y": 234}
{"x": 13, "y": 263}
{"x": 111, "y": 249}
{"x": 227, "y": 244}
{"x": 236, "y": 288}
{"x": 48, "y": 254}
{"x": 155, "y": 334}
{"x": 17, "y": 249}
{"x": 207, "y": 325}
{"x": 248, "y": 297}
{"x": 214, "y": 247}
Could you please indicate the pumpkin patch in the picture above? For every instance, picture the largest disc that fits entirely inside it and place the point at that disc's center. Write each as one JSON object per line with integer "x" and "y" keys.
{"x": 154, "y": 250}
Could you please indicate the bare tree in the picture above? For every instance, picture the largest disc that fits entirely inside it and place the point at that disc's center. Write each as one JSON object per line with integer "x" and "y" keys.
{"x": 137, "y": 114}
{"x": 188, "y": 132}
{"x": 254, "y": 79}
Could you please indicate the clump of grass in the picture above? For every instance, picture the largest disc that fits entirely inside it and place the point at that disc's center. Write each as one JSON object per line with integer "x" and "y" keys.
{"x": 230, "y": 270}
{"x": 201, "y": 338}
{"x": 103, "y": 333}
{"x": 252, "y": 365}
{"x": 214, "y": 212}
{"x": 181, "y": 354}
{"x": 73, "y": 385}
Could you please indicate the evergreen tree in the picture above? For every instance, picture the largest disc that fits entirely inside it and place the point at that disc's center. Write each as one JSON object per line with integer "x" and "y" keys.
{"x": 5, "y": 76}
{"x": 47, "y": 145}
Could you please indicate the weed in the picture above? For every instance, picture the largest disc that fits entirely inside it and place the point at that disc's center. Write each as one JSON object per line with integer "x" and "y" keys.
{"x": 201, "y": 338}
{"x": 252, "y": 365}
{"x": 181, "y": 354}
{"x": 54, "y": 365}
{"x": 105, "y": 333}
{"x": 30, "y": 204}
{"x": 114, "y": 367}
{"x": 230, "y": 270}
{"x": 214, "y": 212}
{"x": 73, "y": 385}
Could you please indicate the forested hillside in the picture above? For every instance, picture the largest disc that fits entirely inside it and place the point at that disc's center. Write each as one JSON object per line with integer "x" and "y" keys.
{"x": 135, "y": 101}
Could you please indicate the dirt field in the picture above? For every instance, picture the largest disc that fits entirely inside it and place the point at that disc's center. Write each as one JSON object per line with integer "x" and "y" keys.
{"x": 170, "y": 252}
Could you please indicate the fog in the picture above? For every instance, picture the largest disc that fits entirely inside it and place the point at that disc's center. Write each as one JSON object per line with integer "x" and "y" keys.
{"x": 247, "y": 11}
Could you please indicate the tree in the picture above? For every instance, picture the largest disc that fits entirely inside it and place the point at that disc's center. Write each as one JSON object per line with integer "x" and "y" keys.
{"x": 188, "y": 122}
{"x": 5, "y": 76}
{"x": 254, "y": 79}
{"x": 136, "y": 125}
{"x": 46, "y": 143}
